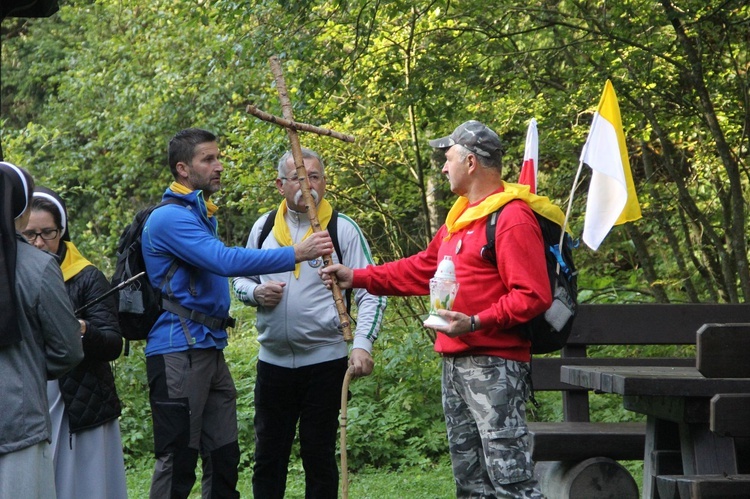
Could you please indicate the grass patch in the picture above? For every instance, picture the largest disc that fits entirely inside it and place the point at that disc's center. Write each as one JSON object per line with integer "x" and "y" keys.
{"x": 430, "y": 482}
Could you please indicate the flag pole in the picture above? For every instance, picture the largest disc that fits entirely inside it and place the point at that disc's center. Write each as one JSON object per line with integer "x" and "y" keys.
{"x": 570, "y": 204}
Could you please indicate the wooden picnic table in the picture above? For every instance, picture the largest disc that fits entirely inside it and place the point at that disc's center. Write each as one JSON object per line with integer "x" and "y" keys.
{"x": 677, "y": 403}
{"x": 577, "y": 457}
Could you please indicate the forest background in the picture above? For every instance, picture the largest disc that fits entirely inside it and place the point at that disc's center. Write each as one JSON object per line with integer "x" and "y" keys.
{"x": 91, "y": 95}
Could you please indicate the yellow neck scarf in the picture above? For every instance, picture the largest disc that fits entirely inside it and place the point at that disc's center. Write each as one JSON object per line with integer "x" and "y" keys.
{"x": 462, "y": 215}
{"x": 181, "y": 189}
{"x": 74, "y": 261}
{"x": 281, "y": 229}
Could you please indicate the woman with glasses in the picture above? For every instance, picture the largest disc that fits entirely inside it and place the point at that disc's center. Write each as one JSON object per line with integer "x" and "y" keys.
{"x": 84, "y": 407}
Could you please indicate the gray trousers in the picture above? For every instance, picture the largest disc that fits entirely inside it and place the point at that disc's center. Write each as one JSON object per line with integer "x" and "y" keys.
{"x": 484, "y": 400}
{"x": 194, "y": 408}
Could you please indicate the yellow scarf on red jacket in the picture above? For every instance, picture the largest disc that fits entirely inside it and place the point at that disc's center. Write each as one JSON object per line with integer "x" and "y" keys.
{"x": 74, "y": 261}
{"x": 281, "y": 229}
{"x": 462, "y": 215}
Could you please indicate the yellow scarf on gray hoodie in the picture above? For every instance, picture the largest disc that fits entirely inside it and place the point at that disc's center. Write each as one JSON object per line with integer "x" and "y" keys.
{"x": 281, "y": 229}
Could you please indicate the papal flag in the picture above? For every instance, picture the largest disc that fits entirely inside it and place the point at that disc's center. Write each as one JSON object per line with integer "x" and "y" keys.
{"x": 612, "y": 199}
{"x": 530, "y": 166}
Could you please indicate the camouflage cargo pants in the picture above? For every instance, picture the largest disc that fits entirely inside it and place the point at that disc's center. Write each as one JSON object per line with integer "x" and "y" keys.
{"x": 484, "y": 400}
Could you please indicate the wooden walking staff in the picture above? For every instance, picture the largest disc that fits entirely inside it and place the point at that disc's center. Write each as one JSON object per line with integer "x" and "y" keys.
{"x": 342, "y": 434}
{"x": 312, "y": 211}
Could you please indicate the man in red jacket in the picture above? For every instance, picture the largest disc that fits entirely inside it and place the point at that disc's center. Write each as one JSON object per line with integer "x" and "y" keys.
{"x": 485, "y": 354}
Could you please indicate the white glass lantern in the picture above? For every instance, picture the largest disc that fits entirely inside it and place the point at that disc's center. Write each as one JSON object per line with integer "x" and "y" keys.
{"x": 443, "y": 289}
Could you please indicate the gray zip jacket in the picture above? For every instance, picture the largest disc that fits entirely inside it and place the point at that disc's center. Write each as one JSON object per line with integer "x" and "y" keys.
{"x": 302, "y": 329}
{"x": 50, "y": 347}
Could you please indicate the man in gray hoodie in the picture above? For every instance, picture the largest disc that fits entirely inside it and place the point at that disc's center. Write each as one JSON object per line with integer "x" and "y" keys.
{"x": 40, "y": 339}
{"x": 303, "y": 356}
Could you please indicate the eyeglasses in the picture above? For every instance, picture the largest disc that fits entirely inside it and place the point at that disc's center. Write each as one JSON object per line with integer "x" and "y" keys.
{"x": 46, "y": 234}
{"x": 313, "y": 177}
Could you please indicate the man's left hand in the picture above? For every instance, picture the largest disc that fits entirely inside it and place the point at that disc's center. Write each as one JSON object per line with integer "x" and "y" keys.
{"x": 458, "y": 323}
{"x": 362, "y": 362}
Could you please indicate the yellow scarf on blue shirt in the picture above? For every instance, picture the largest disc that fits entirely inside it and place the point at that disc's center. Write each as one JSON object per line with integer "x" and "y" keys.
{"x": 462, "y": 215}
{"x": 211, "y": 208}
{"x": 281, "y": 229}
{"x": 74, "y": 261}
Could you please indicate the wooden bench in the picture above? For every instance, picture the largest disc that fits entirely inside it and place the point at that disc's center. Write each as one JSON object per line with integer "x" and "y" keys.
{"x": 560, "y": 448}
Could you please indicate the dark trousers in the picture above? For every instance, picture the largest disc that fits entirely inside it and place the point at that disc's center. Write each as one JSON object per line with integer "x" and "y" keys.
{"x": 193, "y": 405}
{"x": 309, "y": 395}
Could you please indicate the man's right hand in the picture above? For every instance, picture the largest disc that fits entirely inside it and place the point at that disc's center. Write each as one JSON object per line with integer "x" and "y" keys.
{"x": 344, "y": 275}
{"x": 269, "y": 293}
{"x": 318, "y": 244}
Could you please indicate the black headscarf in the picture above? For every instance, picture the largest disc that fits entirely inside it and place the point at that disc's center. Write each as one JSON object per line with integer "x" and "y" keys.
{"x": 15, "y": 185}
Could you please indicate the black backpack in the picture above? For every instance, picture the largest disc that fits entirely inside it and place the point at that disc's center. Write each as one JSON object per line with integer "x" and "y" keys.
{"x": 548, "y": 332}
{"x": 139, "y": 303}
{"x": 332, "y": 231}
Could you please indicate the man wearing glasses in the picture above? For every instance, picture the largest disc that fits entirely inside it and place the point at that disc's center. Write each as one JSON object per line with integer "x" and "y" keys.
{"x": 303, "y": 357}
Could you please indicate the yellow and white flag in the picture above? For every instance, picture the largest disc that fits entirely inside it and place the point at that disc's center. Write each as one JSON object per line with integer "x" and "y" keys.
{"x": 612, "y": 199}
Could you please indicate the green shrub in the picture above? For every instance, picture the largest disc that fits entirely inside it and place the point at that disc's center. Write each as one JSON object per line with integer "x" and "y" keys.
{"x": 135, "y": 422}
{"x": 395, "y": 416}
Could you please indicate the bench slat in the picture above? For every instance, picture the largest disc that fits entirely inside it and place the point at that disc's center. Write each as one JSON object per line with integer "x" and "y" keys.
{"x": 730, "y": 414}
{"x": 545, "y": 371}
{"x": 572, "y": 441}
{"x": 703, "y": 486}
{"x": 650, "y": 323}
{"x": 723, "y": 349}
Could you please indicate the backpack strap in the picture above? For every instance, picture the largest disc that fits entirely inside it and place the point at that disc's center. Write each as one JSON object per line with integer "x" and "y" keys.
{"x": 332, "y": 231}
{"x": 199, "y": 317}
{"x": 170, "y": 304}
{"x": 267, "y": 226}
{"x": 488, "y": 250}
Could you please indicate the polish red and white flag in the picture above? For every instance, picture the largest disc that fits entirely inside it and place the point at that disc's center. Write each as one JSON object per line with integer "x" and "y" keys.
{"x": 530, "y": 158}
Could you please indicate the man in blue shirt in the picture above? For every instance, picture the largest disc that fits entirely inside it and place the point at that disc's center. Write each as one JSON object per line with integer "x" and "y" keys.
{"x": 192, "y": 394}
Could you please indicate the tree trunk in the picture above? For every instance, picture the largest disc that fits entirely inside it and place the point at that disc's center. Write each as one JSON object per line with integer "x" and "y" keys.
{"x": 736, "y": 231}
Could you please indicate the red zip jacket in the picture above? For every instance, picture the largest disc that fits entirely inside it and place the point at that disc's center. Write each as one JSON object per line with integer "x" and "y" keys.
{"x": 503, "y": 297}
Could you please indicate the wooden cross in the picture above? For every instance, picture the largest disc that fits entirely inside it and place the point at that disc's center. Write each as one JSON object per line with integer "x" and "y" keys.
{"x": 291, "y": 127}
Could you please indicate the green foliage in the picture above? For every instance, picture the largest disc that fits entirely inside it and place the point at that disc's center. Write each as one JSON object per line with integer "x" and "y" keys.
{"x": 135, "y": 423}
{"x": 395, "y": 416}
